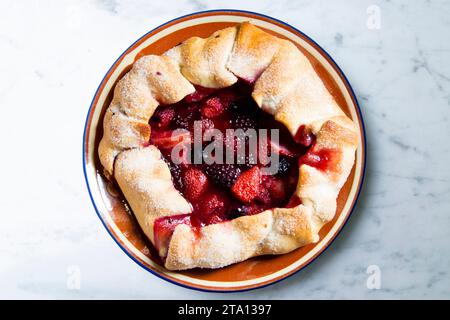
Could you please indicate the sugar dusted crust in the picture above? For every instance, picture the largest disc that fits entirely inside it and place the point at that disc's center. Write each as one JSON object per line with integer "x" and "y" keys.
{"x": 145, "y": 180}
{"x": 285, "y": 85}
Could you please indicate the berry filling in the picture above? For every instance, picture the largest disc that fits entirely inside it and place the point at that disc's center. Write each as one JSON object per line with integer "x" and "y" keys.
{"x": 323, "y": 159}
{"x": 220, "y": 191}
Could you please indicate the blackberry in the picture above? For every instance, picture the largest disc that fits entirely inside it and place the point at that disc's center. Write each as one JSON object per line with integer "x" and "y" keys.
{"x": 236, "y": 211}
{"x": 234, "y": 107}
{"x": 244, "y": 122}
{"x": 283, "y": 166}
{"x": 247, "y": 161}
{"x": 185, "y": 118}
{"x": 183, "y": 121}
{"x": 223, "y": 174}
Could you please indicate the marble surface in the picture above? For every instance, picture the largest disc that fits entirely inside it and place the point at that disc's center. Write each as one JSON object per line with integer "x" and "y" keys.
{"x": 55, "y": 53}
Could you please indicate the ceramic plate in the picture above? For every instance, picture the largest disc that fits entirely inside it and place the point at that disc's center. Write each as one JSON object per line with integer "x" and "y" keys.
{"x": 113, "y": 209}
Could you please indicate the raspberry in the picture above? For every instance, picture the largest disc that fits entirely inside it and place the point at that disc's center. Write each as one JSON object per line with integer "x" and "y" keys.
{"x": 195, "y": 183}
{"x": 277, "y": 190}
{"x": 264, "y": 196}
{"x": 211, "y": 209}
{"x": 272, "y": 192}
{"x": 223, "y": 174}
{"x": 164, "y": 117}
{"x": 212, "y": 108}
{"x": 246, "y": 187}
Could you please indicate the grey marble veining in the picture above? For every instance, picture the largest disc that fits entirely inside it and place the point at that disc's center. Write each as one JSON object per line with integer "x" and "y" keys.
{"x": 55, "y": 53}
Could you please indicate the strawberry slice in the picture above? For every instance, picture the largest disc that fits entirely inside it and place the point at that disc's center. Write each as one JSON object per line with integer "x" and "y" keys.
{"x": 164, "y": 227}
{"x": 169, "y": 139}
{"x": 195, "y": 183}
{"x": 212, "y": 108}
{"x": 246, "y": 187}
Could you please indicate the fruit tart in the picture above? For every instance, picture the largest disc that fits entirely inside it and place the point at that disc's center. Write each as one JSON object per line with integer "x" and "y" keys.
{"x": 179, "y": 140}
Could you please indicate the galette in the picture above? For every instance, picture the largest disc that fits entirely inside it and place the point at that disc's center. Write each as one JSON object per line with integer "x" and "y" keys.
{"x": 227, "y": 148}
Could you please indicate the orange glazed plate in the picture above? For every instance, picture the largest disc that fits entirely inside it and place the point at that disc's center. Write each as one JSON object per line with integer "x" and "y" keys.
{"x": 112, "y": 208}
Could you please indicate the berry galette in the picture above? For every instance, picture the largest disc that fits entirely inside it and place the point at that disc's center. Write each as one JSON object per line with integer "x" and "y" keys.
{"x": 227, "y": 148}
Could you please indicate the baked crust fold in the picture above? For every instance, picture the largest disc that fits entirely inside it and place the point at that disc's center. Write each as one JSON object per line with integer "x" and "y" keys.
{"x": 153, "y": 80}
{"x": 203, "y": 61}
{"x": 285, "y": 85}
{"x": 145, "y": 180}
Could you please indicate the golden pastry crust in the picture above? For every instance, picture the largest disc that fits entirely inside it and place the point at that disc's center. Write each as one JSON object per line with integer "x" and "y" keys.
{"x": 203, "y": 61}
{"x": 252, "y": 53}
{"x": 145, "y": 180}
{"x": 286, "y": 86}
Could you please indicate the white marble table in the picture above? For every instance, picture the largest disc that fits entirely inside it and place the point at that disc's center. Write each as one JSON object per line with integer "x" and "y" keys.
{"x": 53, "y": 56}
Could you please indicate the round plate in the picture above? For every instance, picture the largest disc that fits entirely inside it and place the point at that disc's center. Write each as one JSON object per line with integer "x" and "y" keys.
{"x": 112, "y": 208}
